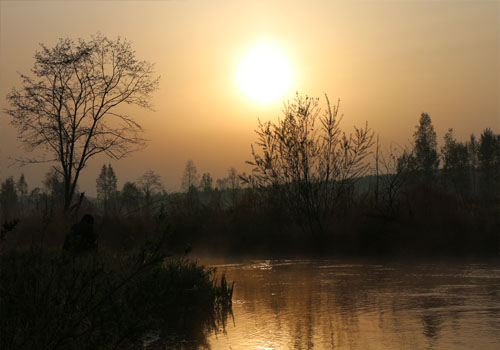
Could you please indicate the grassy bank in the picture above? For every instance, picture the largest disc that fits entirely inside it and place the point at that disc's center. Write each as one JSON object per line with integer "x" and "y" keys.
{"x": 51, "y": 300}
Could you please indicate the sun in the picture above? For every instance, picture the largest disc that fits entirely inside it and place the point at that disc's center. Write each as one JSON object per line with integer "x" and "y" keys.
{"x": 265, "y": 73}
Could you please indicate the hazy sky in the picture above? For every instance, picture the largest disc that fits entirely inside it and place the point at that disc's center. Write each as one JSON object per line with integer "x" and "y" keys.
{"x": 387, "y": 61}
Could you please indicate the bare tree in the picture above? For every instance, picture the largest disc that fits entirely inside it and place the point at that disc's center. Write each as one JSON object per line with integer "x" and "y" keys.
{"x": 489, "y": 164}
{"x": 130, "y": 198}
{"x": 8, "y": 199}
{"x": 150, "y": 185}
{"x": 190, "y": 177}
{"x": 456, "y": 165}
{"x": 70, "y": 106}
{"x": 310, "y": 167}
{"x": 53, "y": 184}
{"x": 233, "y": 179}
{"x": 221, "y": 184}
{"x": 397, "y": 167}
{"x": 107, "y": 187}
{"x": 22, "y": 193}
{"x": 22, "y": 186}
{"x": 206, "y": 183}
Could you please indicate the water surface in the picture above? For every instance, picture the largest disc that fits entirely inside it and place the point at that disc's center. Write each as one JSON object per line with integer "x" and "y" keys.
{"x": 324, "y": 304}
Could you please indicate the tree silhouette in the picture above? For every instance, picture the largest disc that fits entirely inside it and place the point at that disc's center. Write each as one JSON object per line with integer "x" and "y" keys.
{"x": 456, "y": 163}
{"x": 22, "y": 193}
{"x": 206, "y": 182}
{"x": 473, "y": 150}
{"x": 489, "y": 163}
{"x": 396, "y": 166}
{"x": 130, "y": 197}
{"x": 190, "y": 177}
{"x": 71, "y": 106}
{"x": 426, "y": 156}
{"x": 233, "y": 182}
{"x": 8, "y": 198}
{"x": 150, "y": 184}
{"x": 106, "y": 185}
{"x": 54, "y": 187}
{"x": 22, "y": 186}
{"x": 312, "y": 168}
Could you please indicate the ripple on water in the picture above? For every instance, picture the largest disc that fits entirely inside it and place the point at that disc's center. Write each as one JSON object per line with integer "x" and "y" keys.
{"x": 330, "y": 305}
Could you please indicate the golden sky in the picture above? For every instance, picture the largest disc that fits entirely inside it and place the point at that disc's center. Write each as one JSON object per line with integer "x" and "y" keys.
{"x": 387, "y": 61}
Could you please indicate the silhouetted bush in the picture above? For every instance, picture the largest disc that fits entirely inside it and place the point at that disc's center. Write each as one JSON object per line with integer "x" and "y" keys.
{"x": 50, "y": 300}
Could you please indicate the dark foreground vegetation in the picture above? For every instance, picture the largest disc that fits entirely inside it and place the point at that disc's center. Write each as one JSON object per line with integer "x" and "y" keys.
{"x": 103, "y": 300}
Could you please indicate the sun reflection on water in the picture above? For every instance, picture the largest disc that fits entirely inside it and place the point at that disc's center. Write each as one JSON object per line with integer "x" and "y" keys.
{"x": 329, "y": 305}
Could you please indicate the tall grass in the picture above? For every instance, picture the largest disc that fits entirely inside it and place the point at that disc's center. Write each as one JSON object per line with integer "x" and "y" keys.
{"x": 52, "y": 300}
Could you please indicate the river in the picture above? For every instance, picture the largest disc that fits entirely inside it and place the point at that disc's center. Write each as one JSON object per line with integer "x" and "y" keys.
{"x": 327, "y": 304}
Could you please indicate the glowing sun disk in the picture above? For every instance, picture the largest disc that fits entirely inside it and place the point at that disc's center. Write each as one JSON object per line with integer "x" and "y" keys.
{"x": 265, "y": 74}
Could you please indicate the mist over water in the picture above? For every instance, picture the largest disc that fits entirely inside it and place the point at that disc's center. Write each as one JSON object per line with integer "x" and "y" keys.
{"x": 326, "y": 304}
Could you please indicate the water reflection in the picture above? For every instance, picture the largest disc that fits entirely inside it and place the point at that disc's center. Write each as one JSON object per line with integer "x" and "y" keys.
{"x": 330, "y": 305}
{"x": 193, "y": 332}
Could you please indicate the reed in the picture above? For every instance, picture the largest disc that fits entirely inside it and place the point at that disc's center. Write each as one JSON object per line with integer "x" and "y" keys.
{"x": 52, "y": 300}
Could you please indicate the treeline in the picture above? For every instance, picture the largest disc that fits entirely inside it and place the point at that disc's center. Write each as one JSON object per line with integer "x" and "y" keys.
{"x": 144, "y": 196}
{"x": 127, "y": 217}
{"x": 313, "y": 188}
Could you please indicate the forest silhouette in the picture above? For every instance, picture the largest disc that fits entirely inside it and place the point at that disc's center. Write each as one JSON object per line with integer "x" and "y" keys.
{"x": 314, "y": 187}
{"x": 307, "y": 194}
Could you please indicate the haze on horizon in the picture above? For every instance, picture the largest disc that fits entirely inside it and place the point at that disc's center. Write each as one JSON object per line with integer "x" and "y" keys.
{"x": 387, "y": 62}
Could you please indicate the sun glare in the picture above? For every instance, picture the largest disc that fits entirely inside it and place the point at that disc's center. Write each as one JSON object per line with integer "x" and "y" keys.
{"x": 264, "y": 74}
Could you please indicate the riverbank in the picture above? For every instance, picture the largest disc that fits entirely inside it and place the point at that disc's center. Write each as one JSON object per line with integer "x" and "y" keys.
{"x": 52, "y": 300}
